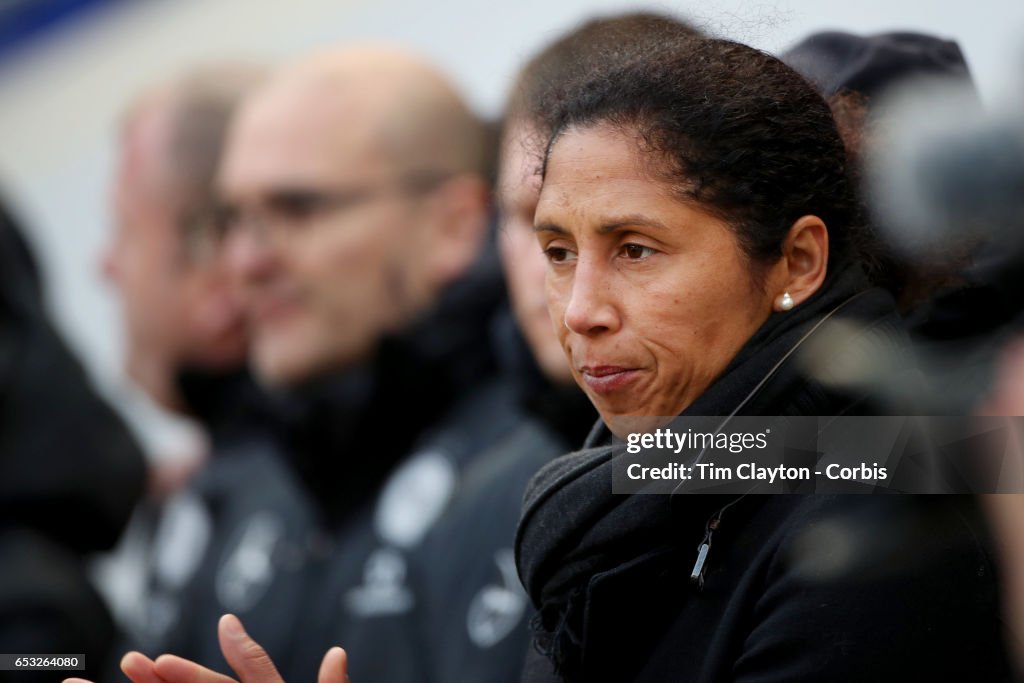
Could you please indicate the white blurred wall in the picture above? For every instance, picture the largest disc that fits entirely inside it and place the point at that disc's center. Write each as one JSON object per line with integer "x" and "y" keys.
{"x": 61, "y": 96}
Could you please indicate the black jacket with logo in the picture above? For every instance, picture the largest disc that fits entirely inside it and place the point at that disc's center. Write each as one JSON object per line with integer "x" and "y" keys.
{"x": 302, "y": 526}
{"x": 472, "y": 623}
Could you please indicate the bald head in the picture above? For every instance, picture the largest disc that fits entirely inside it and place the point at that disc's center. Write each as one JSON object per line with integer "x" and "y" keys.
{"x": 363, "y": 169}
{"x": 406, "y": 109}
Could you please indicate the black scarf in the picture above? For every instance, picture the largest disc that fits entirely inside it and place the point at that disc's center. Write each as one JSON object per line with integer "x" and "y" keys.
{"x": 573, "y": 527}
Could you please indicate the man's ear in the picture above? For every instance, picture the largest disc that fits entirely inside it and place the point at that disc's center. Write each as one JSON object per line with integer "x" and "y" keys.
{"x": 464, "y": 212}
{"x": 805, "y": 262}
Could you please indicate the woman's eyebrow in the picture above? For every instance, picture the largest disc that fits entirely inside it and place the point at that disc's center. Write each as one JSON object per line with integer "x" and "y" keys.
{"x": 628, "y": 221}
{"x": 550, "y": 227}
{"x": 609, "y": 227}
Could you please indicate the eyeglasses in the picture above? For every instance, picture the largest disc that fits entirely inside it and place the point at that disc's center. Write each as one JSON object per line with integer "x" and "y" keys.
{"x": 288, "y": 211}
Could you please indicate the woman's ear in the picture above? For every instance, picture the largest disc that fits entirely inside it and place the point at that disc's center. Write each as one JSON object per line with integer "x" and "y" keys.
{"x": 805, "y": 254}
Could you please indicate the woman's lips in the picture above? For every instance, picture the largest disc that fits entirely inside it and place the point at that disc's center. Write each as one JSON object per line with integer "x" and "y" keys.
{"x": 605, "y": 379}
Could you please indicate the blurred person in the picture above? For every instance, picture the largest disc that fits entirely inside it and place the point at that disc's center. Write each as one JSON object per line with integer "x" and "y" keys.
{"x": 185, "y": 334}
{"x": 946, "y": 287}
{"x": 177, "y": 307}
{"x": 961, "y": 173}
{"x": 182, "y": 324}
{"x": 353, "y": 221}
{"x": 837, "y": 61}
{"x": 70, "y": 474}
{"x": 856, "y": 74}
{"x": 955, "y": 275}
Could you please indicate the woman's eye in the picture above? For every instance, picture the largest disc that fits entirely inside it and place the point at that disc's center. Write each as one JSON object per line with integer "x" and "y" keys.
{"x": 558, "y": 254}
{"x": 636, "y": 251}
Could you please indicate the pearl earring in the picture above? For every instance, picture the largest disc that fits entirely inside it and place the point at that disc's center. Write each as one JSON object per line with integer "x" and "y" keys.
{"x": 786, "y": 302}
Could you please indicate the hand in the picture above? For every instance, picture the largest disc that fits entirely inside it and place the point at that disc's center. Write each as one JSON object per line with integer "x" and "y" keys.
{"x": 246, "y": 657}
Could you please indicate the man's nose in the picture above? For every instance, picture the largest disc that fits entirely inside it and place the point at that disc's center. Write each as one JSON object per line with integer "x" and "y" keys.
{"x": 249, "y": 255}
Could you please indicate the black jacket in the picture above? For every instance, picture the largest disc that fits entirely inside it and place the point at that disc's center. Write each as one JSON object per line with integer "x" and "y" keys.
{"x": 362, "y": 593}
{"x": 797, "y": 588}
{"x": 70, "y": 475}
{"x": 472, "y": 621}
{"x": 303, "y": 530}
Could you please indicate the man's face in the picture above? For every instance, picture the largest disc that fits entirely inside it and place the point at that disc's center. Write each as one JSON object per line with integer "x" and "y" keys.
{"x": 146, "y": 261}
{"x": 322, "y": 239}
{"x": 524, "y": 263}
{"x": 177, "y": 307}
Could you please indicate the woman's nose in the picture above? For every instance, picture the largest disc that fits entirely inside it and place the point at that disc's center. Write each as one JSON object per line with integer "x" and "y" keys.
{"x": 591, "y": 307}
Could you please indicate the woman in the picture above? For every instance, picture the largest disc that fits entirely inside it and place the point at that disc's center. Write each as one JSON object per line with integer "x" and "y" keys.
{"x": 700, "y": 225}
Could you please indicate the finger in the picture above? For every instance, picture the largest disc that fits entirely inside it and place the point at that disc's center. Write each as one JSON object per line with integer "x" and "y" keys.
{"x": 334, "y": 667}
{"x": 249, "y": 660}
{"x": 139, "y": 668}
{"x": 75, "y": 680}
{"x": 173, "y": 669}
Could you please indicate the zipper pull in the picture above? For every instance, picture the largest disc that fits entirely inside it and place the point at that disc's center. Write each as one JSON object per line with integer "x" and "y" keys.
{"x": 697, "y": 575}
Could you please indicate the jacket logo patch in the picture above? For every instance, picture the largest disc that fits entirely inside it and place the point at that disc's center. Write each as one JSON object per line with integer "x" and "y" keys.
{"x": 496, "y": 610}
{"x": 248, "y": 569}
{"x": 414, "y": 498}
{"x": 383, "y": 591}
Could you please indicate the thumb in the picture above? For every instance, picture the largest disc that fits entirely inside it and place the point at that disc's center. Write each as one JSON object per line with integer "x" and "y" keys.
{"x": 334, "y": 667}
{"x": 247, "y": 657}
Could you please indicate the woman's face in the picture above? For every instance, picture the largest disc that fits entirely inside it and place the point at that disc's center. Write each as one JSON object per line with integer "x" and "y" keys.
{"x": 651, "y": 297}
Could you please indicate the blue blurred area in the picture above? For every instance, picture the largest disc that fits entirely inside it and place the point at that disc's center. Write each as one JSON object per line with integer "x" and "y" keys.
{"x": 23, "y": 20}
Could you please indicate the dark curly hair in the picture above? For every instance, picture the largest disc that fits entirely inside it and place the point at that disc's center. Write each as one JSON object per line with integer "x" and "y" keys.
{"x": 603, "y": 39}
{"x": 572, "y": 55}
{"x": 729, "y": 127}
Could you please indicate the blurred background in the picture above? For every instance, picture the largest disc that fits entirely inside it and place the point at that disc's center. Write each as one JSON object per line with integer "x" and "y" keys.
{"x": 68, "y": 67}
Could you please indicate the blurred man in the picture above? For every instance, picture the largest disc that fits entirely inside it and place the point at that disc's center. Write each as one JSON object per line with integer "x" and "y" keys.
{"x": 178, "y": 309}
{"x": 185, "y": 336}
{"x": 353, "y": 198}
{"x": 353, "y": 221}
{"x": 857, "y": 75}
